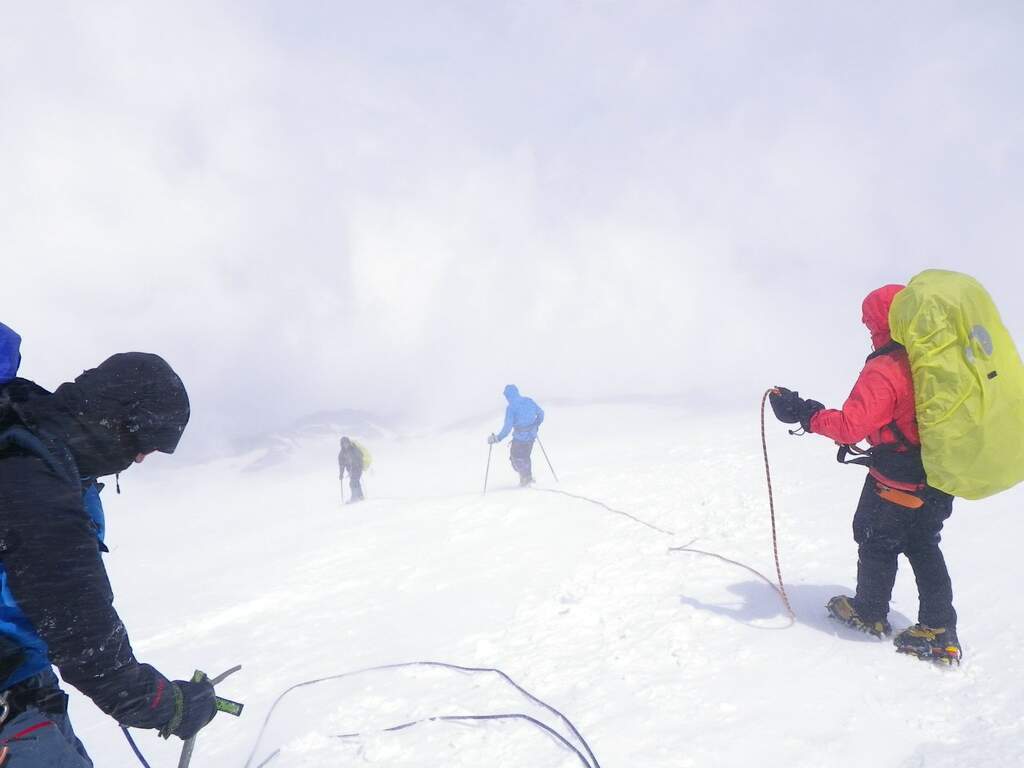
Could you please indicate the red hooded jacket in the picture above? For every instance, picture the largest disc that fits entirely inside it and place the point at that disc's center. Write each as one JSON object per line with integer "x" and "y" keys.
{"x": 883, "y": 394}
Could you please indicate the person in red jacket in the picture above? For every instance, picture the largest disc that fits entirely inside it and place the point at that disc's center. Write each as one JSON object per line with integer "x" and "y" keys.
{"x": 898, "y": 511}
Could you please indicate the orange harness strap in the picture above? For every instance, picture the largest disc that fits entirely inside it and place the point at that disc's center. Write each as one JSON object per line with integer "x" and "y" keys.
{"x": 898, "y": 497}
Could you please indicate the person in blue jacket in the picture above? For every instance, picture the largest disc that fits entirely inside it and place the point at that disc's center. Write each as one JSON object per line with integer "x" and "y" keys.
{"x": 10, "y": 354}
{"x": 522, "y": 418}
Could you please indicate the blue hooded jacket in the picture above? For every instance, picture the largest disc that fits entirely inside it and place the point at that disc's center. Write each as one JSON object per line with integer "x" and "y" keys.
{"x": 10, "y": 353}
{"x": 522, "y": 415}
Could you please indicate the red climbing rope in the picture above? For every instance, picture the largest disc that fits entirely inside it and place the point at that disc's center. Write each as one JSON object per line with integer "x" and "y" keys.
{"x": 771, "y": 506}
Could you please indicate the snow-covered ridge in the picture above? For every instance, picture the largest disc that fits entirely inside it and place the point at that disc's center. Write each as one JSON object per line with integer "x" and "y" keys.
{"x": 663, "y": 659}
{"x": 272, "y": 448}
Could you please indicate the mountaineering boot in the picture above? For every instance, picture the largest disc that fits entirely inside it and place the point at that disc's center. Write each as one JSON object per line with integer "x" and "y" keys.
{"x": 932, "y": 643}
{"x": 525, "y": 480}
{"x": 841, "y": 609}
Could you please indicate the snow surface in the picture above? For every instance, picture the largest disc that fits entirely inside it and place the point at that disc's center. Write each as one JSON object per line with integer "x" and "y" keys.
{"x": 662, "y": 659}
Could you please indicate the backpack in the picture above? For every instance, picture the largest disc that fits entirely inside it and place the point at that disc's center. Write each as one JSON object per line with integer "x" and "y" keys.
{"x": 968, "y": 383}
{"x": 367, "y": 458}
{"x": 10, "y": 353}
{"x": 14, "y": 434}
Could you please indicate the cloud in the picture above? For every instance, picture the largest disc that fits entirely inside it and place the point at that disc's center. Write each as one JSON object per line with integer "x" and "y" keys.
{"x": 402, "y": 209}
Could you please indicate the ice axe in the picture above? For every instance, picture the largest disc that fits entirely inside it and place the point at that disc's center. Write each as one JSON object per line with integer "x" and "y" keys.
{"x": 220, "y": 705}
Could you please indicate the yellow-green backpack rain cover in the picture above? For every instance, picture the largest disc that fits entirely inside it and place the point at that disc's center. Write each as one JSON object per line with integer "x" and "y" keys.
{"x": 968, "y": 383}
{"x": 367, "y": 458}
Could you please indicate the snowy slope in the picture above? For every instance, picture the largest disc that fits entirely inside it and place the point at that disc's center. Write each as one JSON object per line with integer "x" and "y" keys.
{"x": 662, "y": 659}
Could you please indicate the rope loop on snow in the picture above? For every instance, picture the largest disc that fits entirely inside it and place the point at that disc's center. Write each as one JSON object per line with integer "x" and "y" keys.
{"x": 689, "y": 548}
{"x": 589, "y": 760}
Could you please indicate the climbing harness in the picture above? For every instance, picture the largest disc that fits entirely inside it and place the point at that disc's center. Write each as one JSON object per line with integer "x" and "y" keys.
{"x": 5, "y": 712}
{"x": 581, "y": 749}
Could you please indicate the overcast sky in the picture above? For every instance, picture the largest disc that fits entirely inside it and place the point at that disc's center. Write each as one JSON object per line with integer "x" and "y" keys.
{"x": 401, "y": 207}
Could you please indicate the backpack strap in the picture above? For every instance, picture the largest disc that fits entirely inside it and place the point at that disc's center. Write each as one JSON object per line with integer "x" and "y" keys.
{"x": 15, "y": 435}
{"x": 904, "y": 442}
{"x": 902, "y": 465}
{"x": 863, "y": 457}
{"x": 62, "y": 463}
{"x": 888, "y": 349}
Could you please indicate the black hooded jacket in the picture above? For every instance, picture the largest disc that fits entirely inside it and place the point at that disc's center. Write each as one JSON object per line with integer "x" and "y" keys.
{"x": 132, "y": 403}
{"x": 350, "y": 458}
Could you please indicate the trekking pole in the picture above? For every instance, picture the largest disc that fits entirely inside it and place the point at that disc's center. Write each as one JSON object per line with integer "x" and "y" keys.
{"x": 547, "y": 459}
{"x": 487, "y": 472}
{"x": 220, "y": 705}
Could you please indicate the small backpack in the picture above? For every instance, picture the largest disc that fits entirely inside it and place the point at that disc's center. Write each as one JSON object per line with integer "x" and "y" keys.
{"x": 10, "y": 353}
{"x": 367, "y": 458}
{"x": 968, "y": 383}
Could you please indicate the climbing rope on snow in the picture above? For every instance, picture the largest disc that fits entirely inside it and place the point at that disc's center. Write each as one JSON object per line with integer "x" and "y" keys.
{"x": 780, "y": 588}
{"x": 771, "y": 507}
{"x": 589, "y": 760}
{"x": 689, "y": 548}
{"x": 470, "y": 718}
{"x": 605, "y": 506}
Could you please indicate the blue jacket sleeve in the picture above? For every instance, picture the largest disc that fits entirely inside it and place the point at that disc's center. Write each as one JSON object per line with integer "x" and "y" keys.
{"x": 508, "y": 424}
{"x": 540, "y": 416}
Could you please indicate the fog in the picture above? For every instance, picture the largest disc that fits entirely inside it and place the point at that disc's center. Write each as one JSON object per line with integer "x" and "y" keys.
{"x": 401, "y": 207}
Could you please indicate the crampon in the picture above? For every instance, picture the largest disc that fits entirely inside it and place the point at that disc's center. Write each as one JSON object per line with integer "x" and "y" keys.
{"x": 939, "y": 645}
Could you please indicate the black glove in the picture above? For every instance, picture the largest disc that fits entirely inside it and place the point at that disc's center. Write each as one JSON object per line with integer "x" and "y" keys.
{"x": 194, "y": 706}
{"x": 790, "y": 408}
{"x": 492, "y": 439}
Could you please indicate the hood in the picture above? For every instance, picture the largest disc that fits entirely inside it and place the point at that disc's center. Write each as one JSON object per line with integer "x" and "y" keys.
{"x": 131, "y": 403}
{"x": 511, "y": 392}
{"x": 875, "y": 313}
{"x": 10, "y": 353}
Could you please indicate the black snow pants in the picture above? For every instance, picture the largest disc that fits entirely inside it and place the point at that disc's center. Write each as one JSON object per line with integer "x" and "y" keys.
{"x": 520, "y": 456}
{"x": 883, "y": 530}
{"x": 355, "y": 474}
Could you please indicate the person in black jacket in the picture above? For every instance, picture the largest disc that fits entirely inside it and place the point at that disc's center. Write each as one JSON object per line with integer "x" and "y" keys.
{"x": 350, "y": 458}
{"x": 57, "y": 606}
